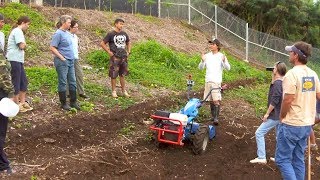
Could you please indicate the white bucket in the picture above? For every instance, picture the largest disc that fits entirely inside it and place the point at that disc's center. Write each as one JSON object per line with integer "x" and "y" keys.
{"x": 181, "y": 117}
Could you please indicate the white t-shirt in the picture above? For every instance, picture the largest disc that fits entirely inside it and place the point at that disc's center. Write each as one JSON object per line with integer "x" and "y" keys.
{"x": 2, "y": 41}
{"x": 75, "y": 45}
{"x": 214, "y": 65}
{"x": 14, "y": 53}
{"x": 304, "y": 84}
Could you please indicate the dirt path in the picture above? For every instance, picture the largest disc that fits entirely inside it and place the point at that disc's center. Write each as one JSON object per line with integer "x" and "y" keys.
{"x": 91, "y": 147}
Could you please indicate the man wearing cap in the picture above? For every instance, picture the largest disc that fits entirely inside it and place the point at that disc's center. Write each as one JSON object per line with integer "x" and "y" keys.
{"x": 214, "y": 62}
{"x": 297, "y": 114}
{"x": 6, "y": 89}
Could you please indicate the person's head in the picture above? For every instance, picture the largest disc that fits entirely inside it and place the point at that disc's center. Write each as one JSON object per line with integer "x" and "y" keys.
{"x": 118, "y": 23}
{"x": 23, "y": 22}
{"x": 64, "y": 22}
{"x": 299, "y": 52}
{"x": 214, "y": 45}
{"x": 74, "y": 26}
{"x": 1, "y": 21}
{"x": 280, "y": 68}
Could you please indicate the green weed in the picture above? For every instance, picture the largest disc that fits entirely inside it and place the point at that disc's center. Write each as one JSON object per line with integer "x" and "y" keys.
{"x": 42, "y": 78}
{"x": 128, "y": 129}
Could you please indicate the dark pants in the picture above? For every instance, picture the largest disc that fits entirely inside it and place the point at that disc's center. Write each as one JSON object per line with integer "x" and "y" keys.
{"x": 4, "y": 163}
{"x": 19, "y": 78}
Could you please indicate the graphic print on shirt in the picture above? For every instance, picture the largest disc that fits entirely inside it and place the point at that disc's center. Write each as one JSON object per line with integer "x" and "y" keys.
{"x": 120, "y": 41}
{"x": 308, "y": 84}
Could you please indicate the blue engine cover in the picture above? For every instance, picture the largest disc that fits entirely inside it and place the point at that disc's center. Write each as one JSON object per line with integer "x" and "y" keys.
{"x": 212, "y": 132}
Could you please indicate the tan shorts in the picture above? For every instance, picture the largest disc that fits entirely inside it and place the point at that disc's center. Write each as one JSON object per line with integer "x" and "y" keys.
{"x": 215, "y": 94}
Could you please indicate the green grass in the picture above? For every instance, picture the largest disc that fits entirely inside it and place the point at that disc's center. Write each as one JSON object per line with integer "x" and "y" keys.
{"x": 42, "y": 78}
{"x": 256, "y": 95}
{"x": 12, "y": 11}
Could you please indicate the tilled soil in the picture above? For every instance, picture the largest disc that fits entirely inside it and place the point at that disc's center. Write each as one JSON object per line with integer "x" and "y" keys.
{"x": 92, "y": 147}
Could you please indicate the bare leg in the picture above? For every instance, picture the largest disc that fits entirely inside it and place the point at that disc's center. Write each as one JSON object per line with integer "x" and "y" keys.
{"x": 122, "y": 83}
{"x": 22, "y": 96}
{"x": 113, "y": 84}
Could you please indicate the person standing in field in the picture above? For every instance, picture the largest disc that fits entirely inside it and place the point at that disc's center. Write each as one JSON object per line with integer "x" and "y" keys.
{"x": 6, "y": 90}
{"x": 62, "y": 48}
{"x": 214, "y": 62}
{"x": 16, "y": 56}
{"x": 77, "y": 67}
{"x": 301, "y": 88}
{"x": 119, "y": 49}
{"x": 271, "y": 119}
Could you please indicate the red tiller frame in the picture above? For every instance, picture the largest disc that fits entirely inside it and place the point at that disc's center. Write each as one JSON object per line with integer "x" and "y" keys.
{"x": 161, "y": 131}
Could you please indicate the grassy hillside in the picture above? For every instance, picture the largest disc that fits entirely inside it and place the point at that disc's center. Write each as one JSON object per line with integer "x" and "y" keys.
{"x": 154, "y": 65}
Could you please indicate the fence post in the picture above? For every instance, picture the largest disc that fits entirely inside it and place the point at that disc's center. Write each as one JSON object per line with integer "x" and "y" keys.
{"x": 159, "y": 8}
{"x": 216, "y": 21}
{"x": 189, "y": 11}
{"x": 99, "y": 5}
{"x": 247, "y": 42}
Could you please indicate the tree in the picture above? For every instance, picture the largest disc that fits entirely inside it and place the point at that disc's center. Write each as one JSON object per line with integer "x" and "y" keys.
{"x": 150, "y": 3}
{"x": 132, "y": 2}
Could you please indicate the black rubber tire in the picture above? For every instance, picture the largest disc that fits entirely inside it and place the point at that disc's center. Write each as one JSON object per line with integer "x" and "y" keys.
{"x": 200, "y": 140}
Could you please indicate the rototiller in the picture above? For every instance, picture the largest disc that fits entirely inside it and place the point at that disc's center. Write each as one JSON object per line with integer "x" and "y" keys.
{"x": 178, "y": 128}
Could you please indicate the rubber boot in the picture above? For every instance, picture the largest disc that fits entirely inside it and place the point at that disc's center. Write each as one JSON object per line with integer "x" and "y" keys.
{"x": 63, "y": 100}
{"x": 73, "y": 100}
{"x": 215, "y": 118}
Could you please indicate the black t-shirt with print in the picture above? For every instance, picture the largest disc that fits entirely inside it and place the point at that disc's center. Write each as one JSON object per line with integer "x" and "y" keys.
{"x": 117, "y": 42}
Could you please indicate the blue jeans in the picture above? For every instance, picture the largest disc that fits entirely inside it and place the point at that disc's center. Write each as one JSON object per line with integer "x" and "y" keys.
{"x": 262, "y": 130}
{"x": 291, "y": 145}
{"x": 66, "y": 74}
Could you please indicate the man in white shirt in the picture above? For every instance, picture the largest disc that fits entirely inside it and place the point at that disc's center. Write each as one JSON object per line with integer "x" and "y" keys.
{"x": 214, "y": 62}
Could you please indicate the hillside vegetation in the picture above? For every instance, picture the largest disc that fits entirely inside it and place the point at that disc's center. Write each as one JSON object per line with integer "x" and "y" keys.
{"x": 164, "y": 53}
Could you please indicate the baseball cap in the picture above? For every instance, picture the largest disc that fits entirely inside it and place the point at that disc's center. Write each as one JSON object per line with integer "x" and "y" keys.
{"x": 293, "y": 48}
{"x": 8, "y": 108}
{"x": 214, "y": 41}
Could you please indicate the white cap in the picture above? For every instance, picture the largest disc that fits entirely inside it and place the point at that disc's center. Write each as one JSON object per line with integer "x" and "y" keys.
{"x": 8, "y": 108}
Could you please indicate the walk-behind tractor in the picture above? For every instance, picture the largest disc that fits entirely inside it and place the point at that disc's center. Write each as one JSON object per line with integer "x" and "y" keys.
{"x": 178, "y": 128}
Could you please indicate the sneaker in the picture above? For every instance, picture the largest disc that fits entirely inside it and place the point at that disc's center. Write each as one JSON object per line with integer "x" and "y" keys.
{"x": 114, "y": 94}
{"x": 125, "y": 93}
{"x": 259, "y": 161}
{"x": 272, "y": 159}
{"x": 22, "y": 109}
{"x": 27, "y": 106}
{"x": 8, "y": 171}
{"x": 314, "y": 147}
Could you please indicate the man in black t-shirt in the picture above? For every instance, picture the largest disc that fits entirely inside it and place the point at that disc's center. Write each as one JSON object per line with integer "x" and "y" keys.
{"x": 118, "y": 48}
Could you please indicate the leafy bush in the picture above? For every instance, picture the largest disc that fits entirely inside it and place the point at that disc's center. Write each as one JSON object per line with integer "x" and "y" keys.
{"x": 12, "y": 11}
{"x": 42, "y": 78}
{"x": 98, "y": 59}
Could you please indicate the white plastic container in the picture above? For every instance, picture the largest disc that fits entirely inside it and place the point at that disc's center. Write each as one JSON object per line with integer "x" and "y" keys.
{"x": 181, "y": 117}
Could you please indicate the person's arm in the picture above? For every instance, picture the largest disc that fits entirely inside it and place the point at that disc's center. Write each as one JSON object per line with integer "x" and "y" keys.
{"x": 286, "y": 104}
{"x": 22, "y": 46}
{"x": 128, "y": 44}
{"x": 5, "y": 81}
{"x": 269, "y": 110}
{"x": 225, "y": 63}
{"x": 106, "y": 48}
{"x": 55, "y": 51}
{"x": 202, "y": 64}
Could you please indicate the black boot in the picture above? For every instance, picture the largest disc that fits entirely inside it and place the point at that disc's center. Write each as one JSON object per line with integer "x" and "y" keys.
{"x": 215, "y": 109}
{"x": 73, "y": 100}
{"x": 63, "y": 100}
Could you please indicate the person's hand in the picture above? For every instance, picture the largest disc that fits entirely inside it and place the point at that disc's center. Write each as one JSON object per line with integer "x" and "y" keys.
{"x": 265, "y": 117}
{"x": 203, "y": 57}
{"x": 224, "y": 58}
